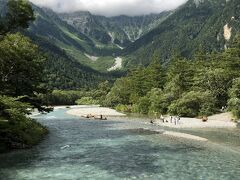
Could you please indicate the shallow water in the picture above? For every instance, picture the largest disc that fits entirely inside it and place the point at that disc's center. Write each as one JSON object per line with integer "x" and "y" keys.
{"x": 82, "y": 149}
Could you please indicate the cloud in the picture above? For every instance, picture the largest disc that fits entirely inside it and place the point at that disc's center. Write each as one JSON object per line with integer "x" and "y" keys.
{"x": 111, "y": 7}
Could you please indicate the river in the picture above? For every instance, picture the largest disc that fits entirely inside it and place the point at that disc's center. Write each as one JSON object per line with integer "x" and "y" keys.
{"x": 117, "y": 149}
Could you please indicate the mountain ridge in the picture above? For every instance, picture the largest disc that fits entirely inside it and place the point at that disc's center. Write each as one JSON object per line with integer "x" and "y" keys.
{"x": 120, "y": 30}
{"x": 190, "y": 27}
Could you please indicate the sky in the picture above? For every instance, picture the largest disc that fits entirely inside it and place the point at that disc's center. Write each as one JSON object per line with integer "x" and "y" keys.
{"x": 111, "y": 7}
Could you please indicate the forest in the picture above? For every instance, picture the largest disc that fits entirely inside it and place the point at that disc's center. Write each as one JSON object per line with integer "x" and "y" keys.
{"x": 196, "y": 87}
{"x": 200, "y": 86}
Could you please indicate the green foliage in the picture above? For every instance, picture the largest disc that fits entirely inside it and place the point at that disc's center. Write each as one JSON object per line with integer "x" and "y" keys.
{"x": 193, "y": 104}
{"x": 217, "y": 81}
{"x": 183, "y": 87}
{"x": 143, "y": 105}
{"x": 159, "y": 102}
{"x": 61, "y": 97}
{"x": 234, "y": 101}
{"x": 186, "y": 29}
{"x": 101, "y": 92}
{"x": 18, "y": 131}
{"x": 87, "y": 101}
{"x": 21, "y": 66}
{"x": 21, "y": 70}
{"x": 19, "y": 14}
{"x": 12, "y": 109}
{"x": 50, "y": 30}
{"x": 120, "y": 93}
{"x": 154, "y": 103}
{"x": 66, "y": 74}
{"x": 71, "y": 97}
{"x": 123, "y": 108}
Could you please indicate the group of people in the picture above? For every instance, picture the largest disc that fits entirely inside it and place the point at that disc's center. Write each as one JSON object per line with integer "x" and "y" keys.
{"x": 172, "y": 119}
{"x": 100, "y": 117}
{"x": 175, "y": 119}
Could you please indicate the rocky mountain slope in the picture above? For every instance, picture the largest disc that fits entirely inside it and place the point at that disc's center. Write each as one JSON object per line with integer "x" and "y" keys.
{"x": 48, "y": 27}
{"x": 120, "y": 30}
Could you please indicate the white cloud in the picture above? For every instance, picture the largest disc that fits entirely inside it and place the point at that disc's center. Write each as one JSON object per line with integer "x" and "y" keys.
{"x": 111, "y": 7}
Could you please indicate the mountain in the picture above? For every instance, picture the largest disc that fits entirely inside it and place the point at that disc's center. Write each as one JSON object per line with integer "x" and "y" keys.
{"x": 119, "y": 30}
{"x": 90, "y": 49}
{"x": 208, "y": 24}
{"x": 65, "y": 48}
{"x": 77, "y": 46}
{"x": 87, "y": 43}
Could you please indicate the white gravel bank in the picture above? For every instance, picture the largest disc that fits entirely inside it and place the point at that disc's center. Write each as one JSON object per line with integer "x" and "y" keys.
{"x": 95, "y": 111}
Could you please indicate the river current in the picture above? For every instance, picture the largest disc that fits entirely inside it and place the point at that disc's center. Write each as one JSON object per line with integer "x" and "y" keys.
{"x": 117, "y": 149}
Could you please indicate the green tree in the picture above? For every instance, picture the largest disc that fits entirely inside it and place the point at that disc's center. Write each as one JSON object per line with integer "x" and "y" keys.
{"x": 143, "y": 105}
{"x": 217, "y": 81}
{"x": 101, "y": 92}
{"x": 193, "y": 103}
{"x": 179, "y": 77}
{"x": 87, "y": 101}
{"x": 19, "y": 15}
{"x": 234, "y": 101}
{"x": 159, "y": 102}
{"x": 120, "y": 93}
{"x": 21, "y": 69}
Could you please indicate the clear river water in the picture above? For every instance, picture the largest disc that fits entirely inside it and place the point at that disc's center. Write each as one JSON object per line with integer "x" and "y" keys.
{"x": 117, "y": 149}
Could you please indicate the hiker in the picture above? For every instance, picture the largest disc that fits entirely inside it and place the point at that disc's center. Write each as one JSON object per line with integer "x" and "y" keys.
{"x": 171, "y": 119}
{"x": 175, "y": 120}
{"x": 162, "y": 118}
{"x": 222, "y": 109}
{"x": 178, "y": 119}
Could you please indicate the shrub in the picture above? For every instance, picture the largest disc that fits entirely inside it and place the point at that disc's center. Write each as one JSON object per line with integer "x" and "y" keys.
{"x": 143, "y": 105}
{"x": 86, "y": 101}
{"x": 234, "y": 101}
{"x": 20, "y": 131}
{"x": 193, "y": 103}
{"x": 123, "y": 108}
{"x": 234, "y": 106}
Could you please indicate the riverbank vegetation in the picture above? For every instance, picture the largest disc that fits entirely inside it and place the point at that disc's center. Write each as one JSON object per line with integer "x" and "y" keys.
{"x": 186, "y": 87}
{"x": 81, "y": 97}
{"x": 21, "y": 72}
{"x": 197, "y": 87}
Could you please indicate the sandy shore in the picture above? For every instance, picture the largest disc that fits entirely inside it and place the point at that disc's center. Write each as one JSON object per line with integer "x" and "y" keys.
{"x": 184, "y": 135}
{"x": 222, "y": 120}
{"x": 144, "y": 127}
{"x": 178, "y": 134}
{"x": 94, "y": 110}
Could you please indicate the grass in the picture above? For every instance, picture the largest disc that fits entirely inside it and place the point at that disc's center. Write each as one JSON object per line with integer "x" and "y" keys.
{"x": 102, "y": 64}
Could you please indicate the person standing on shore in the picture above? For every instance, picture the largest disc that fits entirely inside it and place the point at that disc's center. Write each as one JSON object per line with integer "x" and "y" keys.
{"x": 178, "y": 119}
{"x": 162, "y": 118}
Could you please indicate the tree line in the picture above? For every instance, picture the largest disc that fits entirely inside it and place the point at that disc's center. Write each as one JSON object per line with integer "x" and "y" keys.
{"x": 200, "y": 86}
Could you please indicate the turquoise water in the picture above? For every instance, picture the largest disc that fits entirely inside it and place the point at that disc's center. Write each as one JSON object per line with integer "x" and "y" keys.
{"x": 82, "y": 149}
